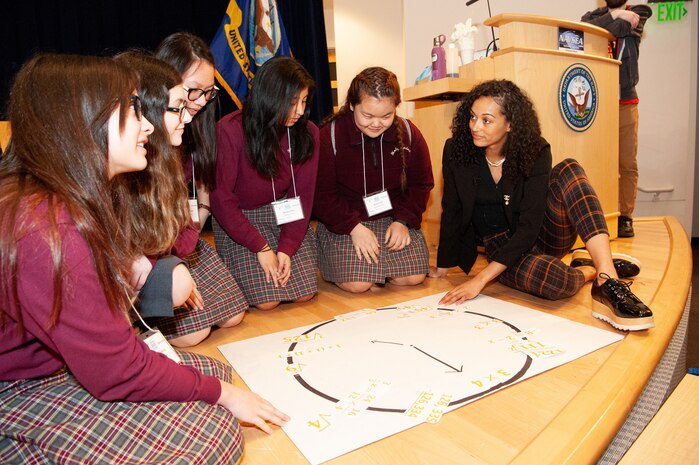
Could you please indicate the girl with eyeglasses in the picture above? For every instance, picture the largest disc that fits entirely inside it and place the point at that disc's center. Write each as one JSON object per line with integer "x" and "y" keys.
{"x": 265, "y": 182}
{"x": 175, "y": 261}
{"x": 76, "y": 384}
{"x": 192, "y": 59}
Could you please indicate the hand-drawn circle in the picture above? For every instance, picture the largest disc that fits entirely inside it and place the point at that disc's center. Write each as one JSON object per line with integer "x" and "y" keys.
{"x": 510, "y": 380}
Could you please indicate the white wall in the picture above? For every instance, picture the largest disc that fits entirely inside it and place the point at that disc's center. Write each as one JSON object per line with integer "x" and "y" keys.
{"x": 367, "y": 33}
{"x": 424, "y": 22}
{"x": 397, "y": 34}
{"x": 667, "y": 116}
{"x": 328, "y": 12}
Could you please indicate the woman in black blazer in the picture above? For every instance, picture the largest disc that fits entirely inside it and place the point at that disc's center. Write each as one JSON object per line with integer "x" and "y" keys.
{"x": 501, "y": 191}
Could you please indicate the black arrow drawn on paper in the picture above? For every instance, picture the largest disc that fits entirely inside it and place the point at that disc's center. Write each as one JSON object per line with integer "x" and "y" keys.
{"x": 386, "y": 342}
{"x": 457, "y": 370}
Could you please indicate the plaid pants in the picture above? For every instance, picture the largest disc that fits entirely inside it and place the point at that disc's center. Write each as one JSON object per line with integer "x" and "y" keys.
{"x": 572, "y": 209}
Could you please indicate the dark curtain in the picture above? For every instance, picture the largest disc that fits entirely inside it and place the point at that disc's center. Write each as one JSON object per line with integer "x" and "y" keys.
{"x": 305, "y": 29}
{"x": 105, "y": 27}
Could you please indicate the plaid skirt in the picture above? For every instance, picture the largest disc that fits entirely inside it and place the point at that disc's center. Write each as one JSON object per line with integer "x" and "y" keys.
{"x": 54, "y": 420}
{"x": 246, "y": 269}
{"x": 223, "y": 299}
{"x": 339, "y": 262}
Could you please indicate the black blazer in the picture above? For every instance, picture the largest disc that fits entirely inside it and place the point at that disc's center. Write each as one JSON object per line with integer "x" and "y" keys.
{"x": 524, "y": 202}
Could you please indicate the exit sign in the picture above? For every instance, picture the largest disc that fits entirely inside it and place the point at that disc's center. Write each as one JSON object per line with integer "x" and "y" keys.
{"x": 671, "y": 11}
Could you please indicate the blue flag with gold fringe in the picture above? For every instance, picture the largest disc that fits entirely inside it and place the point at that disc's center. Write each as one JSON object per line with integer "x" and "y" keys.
{"x": 250, "y": 34}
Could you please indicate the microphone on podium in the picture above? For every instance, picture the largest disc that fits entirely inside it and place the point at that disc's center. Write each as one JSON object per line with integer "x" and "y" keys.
{"x": 492, "y": 29}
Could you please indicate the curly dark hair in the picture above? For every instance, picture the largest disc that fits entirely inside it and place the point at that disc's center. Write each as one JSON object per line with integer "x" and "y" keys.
{"x": 524, "y": 140}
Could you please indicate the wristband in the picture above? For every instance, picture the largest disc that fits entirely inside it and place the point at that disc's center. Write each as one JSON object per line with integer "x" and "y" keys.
{"x": 266, "y": 248}
{"x": 205, "y": 207}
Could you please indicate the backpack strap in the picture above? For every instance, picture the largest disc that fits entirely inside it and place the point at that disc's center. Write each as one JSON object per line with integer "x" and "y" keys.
{"x": 407, "y": 126}
{"x": 332, "y": 136}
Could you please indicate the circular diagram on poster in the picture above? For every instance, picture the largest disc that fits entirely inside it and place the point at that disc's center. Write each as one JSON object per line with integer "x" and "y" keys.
{"x": 411, "y": 349}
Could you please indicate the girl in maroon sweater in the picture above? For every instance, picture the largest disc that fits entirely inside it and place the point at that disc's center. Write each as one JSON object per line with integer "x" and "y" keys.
{"x": 265, "y": 181}
{"x": 76, "y": 384}
{"x": 155, "y": 200}
{"x": 374, "y": 179}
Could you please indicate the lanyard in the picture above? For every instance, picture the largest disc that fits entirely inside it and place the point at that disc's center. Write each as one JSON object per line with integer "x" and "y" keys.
{"x": 293, "y": 179}
{"x": 194, "y": 180}
{"x": 155, "y": 340}
{"x": 383, "y": 187}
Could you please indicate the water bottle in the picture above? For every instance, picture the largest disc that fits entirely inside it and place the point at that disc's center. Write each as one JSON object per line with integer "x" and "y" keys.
{"x": 439, "y": 59}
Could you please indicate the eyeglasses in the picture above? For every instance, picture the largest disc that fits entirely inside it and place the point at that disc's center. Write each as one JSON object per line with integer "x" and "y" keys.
{"x": 194, "y": 93}
{"x": 179, "y": 110}
{"x": 136, "y": 104}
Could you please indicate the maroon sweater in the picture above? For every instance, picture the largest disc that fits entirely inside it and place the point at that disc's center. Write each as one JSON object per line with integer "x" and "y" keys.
{"x": 240, "y": 187}
{"x": 340, "y": 188}
{"x": 94, "y": 341}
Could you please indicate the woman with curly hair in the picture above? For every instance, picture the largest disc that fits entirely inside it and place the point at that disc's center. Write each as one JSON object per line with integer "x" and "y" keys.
{"x": 174, "y": 260}
{"x": 374, "y": 180}
{"x": 500, "y": 191}
{"x": 265, "y": 180}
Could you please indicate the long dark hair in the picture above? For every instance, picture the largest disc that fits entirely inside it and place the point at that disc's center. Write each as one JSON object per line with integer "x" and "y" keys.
{"x": 272, "y": 93}
{"x": 59, "y": 108}
{"x": 524, "y": 140}
{"x": 379, "y": 83}
{"x": 182, "y": 50}
{"x": 154, "y": 199}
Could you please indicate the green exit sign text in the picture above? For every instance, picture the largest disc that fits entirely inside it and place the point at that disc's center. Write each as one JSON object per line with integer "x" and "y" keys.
{"x": 671, "y": 11}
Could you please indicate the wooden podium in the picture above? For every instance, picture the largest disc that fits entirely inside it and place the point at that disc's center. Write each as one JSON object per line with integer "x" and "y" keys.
{"x": 529, "y": 55}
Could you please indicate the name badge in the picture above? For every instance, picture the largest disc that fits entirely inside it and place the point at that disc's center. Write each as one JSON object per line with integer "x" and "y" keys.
{"x": 377, "y": 203}
{"x": 157, "y": 343}
{"x": 288, "y": 210}
{"x": 194, "y": 210}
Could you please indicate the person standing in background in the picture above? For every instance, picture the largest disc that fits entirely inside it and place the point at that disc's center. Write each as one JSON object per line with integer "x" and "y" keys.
{"x": 625, "y": 22}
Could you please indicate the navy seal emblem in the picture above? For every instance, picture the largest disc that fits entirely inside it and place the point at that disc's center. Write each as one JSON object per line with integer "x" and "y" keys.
{"x": 577, "y": 97}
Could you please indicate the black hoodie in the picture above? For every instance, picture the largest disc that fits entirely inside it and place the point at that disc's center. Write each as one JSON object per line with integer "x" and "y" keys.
{"x": 626, "y": 45}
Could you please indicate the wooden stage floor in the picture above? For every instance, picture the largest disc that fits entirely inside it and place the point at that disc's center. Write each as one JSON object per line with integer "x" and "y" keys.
{"x": 566, "y": 415}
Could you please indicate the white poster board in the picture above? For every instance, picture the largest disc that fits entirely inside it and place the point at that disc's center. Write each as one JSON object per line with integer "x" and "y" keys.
{"x": 368, "y": 374}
